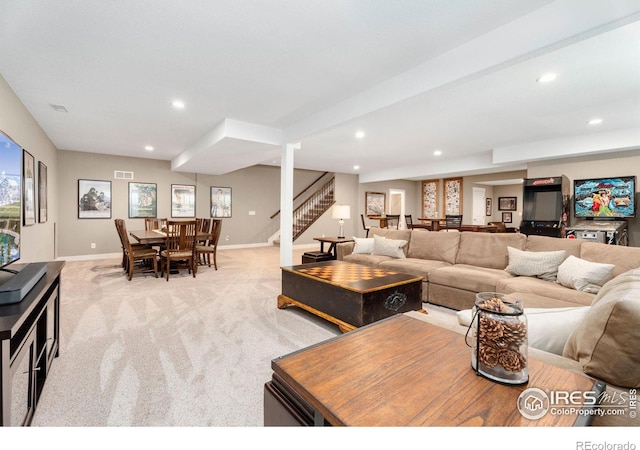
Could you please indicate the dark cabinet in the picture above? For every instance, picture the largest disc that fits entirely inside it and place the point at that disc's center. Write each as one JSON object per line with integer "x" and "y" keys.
{"x": 29, "y": 342}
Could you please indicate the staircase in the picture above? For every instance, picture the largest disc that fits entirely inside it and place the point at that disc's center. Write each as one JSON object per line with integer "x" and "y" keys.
{"x": 312, "y": 208}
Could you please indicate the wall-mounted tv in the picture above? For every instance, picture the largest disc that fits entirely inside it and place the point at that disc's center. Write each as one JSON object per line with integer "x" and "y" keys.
{"x": 613, "y": 197}
{"x": 10, "y": 199}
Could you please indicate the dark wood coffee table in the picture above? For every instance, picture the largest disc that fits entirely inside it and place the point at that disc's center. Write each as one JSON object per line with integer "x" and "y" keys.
{"x": 349, "y": 295}
{"x": 402, "y": 371}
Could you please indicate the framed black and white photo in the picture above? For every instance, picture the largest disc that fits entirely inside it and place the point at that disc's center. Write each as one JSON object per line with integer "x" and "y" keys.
{"x": 42, "y": 192}
{"x": 29, "y": 188}
{"x": 143, "y": 200}
{"x": 506, "y": 217}
{"x": 94, "y": 199}
{"x": 489, "y": 210}
{"x": 183, "y": 200}
{"x": 220, "y": 201}
{"x": 507, "y": 203}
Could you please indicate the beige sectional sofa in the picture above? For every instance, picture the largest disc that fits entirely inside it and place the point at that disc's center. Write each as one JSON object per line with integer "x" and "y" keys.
{"x": 457, "y": 265}
{"x": 594, "y": 333}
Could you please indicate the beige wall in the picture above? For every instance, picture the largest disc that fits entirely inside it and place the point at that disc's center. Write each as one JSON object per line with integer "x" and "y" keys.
{"x": 37, "y": 241}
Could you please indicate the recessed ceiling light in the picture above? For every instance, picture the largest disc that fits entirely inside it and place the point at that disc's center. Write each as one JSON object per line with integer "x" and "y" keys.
{"x": 595, "y": 122}
{"x": 547, "y": 77}
{"x": 359, "y": 134}
{"x": 356, "y": 167}
{"x": 178, "y": 104}
{"x": 437, "y": 152}
{"x": 148, "y": 148}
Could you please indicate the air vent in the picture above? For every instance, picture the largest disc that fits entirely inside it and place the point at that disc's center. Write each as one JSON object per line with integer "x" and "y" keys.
{"x": 59, "y": 108}
{"x": 122, "y": 175}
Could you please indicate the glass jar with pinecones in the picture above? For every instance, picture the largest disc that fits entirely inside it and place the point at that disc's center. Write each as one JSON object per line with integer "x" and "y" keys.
{"x": 499, "y": 339}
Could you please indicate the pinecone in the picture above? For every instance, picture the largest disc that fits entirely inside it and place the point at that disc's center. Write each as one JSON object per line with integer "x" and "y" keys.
{"x": 494, "y": 304}
{"x": 488, "y": 355}
{"x": 490, "y": 329}
{"x": 514, "y": 333}
{"x": 511, "y": 360}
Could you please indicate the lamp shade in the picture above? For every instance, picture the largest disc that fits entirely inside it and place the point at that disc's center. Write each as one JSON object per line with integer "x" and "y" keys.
{"x": 341, "y": 212}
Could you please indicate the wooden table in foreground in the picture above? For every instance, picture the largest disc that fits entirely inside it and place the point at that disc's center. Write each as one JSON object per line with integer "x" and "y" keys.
{"x": 349, "y": 295}
{"x": 402, "y": 371}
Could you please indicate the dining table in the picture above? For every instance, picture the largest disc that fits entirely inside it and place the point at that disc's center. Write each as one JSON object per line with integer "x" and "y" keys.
{"x": 149, "y": 237}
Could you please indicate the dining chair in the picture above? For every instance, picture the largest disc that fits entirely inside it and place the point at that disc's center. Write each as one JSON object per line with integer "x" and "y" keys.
{"x": 180, "y": 246}
{"x": 209, "y": 247}
{"x": 393, "y": 221}
{"x": 151, "y": 223}
{"x": 409, "y": 221}
{"x": 136, "y": 253}
{"x": 453, "y": 221}
{"x": 120, "y": 226}
{"x": 364, "y": 225}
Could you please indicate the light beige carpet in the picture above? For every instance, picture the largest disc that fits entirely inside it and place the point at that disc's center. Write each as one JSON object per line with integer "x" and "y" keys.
{"x": 187, "y": 352}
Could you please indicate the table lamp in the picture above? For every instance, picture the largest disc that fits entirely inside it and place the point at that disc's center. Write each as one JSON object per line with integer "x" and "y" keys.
{"x": 341, "y": 212}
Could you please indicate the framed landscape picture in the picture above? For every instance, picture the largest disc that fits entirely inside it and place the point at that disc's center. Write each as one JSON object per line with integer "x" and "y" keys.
{"x": 183, "y": 200}
{"x": 143, "y": 200}
{"x": 94, "y": 199}
{"x": 374, "y": 203}
{"x": 29, "y": 188}
{"x": 220, "y": 201}
{"x": 42, "y": 192}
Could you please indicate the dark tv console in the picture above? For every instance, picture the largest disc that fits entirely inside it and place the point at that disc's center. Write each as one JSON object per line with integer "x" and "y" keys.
{"x": 29, "y": 342}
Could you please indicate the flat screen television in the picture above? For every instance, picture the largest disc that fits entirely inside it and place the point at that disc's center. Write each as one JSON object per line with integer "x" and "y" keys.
{"x": 613, "y": 197}
{"x": 10, "y": 199}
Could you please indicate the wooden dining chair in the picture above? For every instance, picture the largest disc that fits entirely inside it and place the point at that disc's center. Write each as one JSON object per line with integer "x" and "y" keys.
{"x": 139, "y": 258}
{"x": 453, "y": 221}
{"x": 364, "y": 225}
{"x": 209, "y": 247}
{"x": 151, "y": 223}
{"x": 409, "y": 221}
{"x": 393, "y": 221}
{"x": 180, "y": 246}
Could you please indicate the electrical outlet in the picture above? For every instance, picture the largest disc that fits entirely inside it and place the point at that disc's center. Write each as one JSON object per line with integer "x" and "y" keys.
{"x": 226, "y": 238}
{"x": 93, "y": 245}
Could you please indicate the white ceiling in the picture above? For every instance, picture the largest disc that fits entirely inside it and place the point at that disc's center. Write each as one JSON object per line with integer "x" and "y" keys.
{"x": 415, "y": 76}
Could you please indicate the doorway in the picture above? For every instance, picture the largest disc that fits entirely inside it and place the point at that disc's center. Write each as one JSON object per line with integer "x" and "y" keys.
{"x": 479, "y": 206}
{"x": 396, "y": 205}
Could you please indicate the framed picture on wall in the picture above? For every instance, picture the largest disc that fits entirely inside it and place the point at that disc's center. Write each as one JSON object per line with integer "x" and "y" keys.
{"x": 506, "y": 217}
{"x": 507, "y": 203}
{"x": 94, "y": 199}
{"x": 489, "y": 210}
{"x": 42, "y": 192}
{"x": 452, "y": 195}
{"x": 29, "y": 188}
{"x": 220, "y": 201}
{"x": 183, "y": 200}
{"x": 143, "y": 200}
{"x": 374, "y": 203}
{"x": 430, "y": 198}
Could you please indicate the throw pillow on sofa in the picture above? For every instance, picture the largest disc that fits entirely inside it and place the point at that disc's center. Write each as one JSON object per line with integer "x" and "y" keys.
{"x": 583, "y": 275}
{"x": 363, "y": 246}
{"x": 388, "y": 247}
{"x": 535, "y": 264}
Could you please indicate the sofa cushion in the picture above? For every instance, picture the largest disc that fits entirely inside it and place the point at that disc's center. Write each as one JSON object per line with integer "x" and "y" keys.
{"x": 434, "y": 246}
{"x": 549, "y": 328}
{"x": 605, "y": 341}
{"x": 469, "y": 278}
{"x": 363, "y": 246}
{"x": 383, "y": 246}
{"x": 534, "y": 264}
{"x": 548, "y": 244}
{"x": 553, "y": 291}
{"x": 414, "y": 266}
{"x": 624, "y": 258}
{"x": 488, "y": 249}
{"x": 583, "y": 275}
